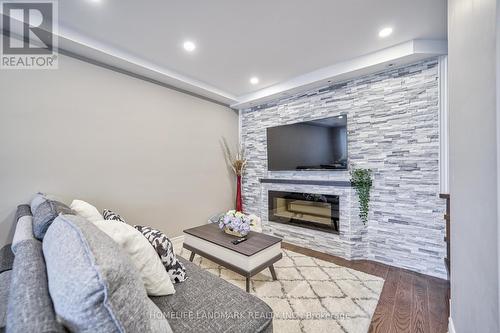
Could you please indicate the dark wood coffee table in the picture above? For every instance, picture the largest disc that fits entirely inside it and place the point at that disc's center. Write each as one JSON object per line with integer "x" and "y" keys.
{"x": 248, "y": 258}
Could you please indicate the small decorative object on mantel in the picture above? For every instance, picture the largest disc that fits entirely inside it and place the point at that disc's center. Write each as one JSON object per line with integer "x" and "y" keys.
{"x": 361, "y": 179}
{"x": 255, "y": 223}
{"x": 237, "y": 163}
{"x": 235, "y": 223}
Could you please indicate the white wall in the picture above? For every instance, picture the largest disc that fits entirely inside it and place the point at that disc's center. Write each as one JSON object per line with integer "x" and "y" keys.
{"x": 82, "y": 131}
{"x": 473, "y": 165}
{"x": 498, "y": 144}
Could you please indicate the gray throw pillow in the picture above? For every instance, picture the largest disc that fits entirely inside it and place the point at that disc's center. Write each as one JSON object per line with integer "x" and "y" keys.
{"x": 45, "y": 213}
{"x": 30, "y": 307}
{"x": 37, "y": 200}
{"x": 94, "y": 285}
{"x": 24, "y": 226}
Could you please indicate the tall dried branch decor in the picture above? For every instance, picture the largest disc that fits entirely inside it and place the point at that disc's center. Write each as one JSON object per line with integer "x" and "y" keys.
{"x": 238, "y": 161}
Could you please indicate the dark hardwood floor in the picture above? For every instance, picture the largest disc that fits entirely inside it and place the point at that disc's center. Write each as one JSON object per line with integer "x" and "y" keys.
{"x": 410, "y": 302}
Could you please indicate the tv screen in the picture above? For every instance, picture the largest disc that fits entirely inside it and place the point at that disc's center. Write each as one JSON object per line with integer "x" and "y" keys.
{"x": 313, "y": 145}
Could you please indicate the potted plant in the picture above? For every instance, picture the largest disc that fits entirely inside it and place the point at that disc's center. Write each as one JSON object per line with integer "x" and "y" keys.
{"x": 238, "y": 163}
{"x": 361, "y": 179}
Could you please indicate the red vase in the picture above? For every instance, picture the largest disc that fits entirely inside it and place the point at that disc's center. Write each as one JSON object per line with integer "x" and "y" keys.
{"x": 239, "y": 203}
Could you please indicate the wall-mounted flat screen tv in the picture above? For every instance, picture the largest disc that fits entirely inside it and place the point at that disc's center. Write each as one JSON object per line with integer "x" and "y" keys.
{"x": 312, "y": 145}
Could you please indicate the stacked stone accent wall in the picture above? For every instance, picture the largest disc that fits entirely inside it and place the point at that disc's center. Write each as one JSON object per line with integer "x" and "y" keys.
{"x": 393, "y": 129}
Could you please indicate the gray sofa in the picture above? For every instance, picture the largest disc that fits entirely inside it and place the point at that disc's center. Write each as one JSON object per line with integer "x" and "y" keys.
{"x": 202, "y": 303}
{"x": 6, "y": 263}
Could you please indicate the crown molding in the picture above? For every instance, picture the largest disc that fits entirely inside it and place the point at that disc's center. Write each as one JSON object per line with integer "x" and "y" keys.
{"x": 80, "y": 47}
{"x": 76, "y": 45}
{"x": 398, "y": 55}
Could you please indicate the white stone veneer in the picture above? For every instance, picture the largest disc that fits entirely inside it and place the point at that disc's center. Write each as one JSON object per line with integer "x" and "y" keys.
{"x": 393, "y": 128}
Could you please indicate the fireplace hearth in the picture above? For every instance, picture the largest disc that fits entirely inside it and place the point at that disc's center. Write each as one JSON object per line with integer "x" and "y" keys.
{"x": 306, "y": 210}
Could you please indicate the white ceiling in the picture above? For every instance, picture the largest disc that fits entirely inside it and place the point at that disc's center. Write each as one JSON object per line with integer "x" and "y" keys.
{"x": 275, "y": 40}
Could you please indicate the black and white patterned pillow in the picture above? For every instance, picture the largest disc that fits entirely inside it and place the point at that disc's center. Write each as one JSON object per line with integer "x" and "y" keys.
{"x": 110, "y": 215}
{"x": 163, "y": 246}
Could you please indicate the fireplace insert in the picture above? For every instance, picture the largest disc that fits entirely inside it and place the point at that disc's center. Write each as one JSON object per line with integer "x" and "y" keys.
{"x": 307, "y": 210}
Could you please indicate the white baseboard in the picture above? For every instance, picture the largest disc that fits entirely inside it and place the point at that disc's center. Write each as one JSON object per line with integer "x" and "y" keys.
{"x": 177, "y": 243}
{"x": 451, "y": 327}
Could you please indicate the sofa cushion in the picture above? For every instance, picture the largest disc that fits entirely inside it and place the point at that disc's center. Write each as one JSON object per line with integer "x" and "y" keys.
{"x": 86, "y": 210}
{"x": 45, "y": 214}
{"x": 6, "y": 262}
{"x": 5, "y": 279}
{"x": 6, "y": 258}
{"x": 204, "y": 295}
{"x": 30, "y": 307}
{"x": 144, "y": 257}
{"x": 93, "y": 284}
{"x": 159, "y": 324}
{"x": 163, "y": 246}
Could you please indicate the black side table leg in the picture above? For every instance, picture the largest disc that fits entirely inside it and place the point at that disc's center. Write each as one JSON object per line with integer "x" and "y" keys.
{"x": 248, "y": 284}
{"x": 273, "y": 272}
{"x": 191, "y": 257}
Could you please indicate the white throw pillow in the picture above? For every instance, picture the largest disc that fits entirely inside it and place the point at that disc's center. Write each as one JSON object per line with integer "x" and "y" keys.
{"x": 86, "y": 210}
{"x": 144, "y": 257}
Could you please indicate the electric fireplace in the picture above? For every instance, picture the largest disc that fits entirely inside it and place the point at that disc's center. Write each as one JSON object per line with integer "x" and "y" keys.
{"x": 306, "y": 210}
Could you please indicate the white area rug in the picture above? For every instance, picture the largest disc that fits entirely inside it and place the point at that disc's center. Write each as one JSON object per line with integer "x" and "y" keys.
{"x": 310, "y": 295}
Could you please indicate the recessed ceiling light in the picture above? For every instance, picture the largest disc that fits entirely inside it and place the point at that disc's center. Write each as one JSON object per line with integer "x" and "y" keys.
{"x": 385, "y": 32}
{"x": 254, "y": 80}
{"x": 189, "y": 46}
{"x": 95, "y": 1}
